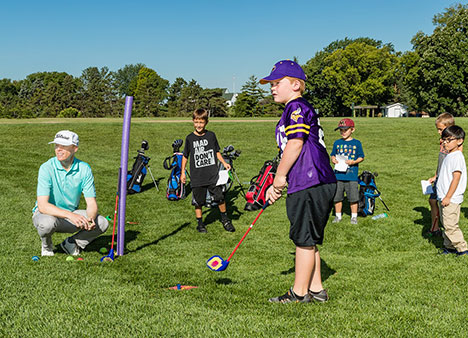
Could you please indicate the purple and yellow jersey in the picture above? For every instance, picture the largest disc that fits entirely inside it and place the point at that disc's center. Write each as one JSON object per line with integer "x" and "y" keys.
{"x": 312, "y": 167}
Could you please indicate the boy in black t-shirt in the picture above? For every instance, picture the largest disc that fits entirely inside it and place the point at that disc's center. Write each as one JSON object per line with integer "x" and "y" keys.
{"x": 203, "y": 149}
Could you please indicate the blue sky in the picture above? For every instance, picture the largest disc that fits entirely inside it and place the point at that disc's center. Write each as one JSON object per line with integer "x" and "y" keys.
{"x": 217, "y": 43}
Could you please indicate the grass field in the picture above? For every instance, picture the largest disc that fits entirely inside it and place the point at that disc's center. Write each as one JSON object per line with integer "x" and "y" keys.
{"x": 384, "y": 277}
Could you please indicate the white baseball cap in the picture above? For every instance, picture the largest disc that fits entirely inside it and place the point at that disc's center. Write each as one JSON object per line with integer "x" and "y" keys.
{"x": 66, "y": 138}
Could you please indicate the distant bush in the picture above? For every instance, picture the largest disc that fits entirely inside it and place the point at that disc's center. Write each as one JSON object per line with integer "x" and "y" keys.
{"x": 69, "y": 112}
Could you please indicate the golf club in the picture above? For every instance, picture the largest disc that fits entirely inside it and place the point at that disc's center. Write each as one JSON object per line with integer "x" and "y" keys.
{"x": 216, "y": 263}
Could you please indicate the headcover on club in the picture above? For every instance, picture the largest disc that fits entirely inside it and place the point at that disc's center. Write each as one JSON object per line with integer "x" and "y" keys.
{"x": 216, "y": 263}
{"x": 109, "y": 257}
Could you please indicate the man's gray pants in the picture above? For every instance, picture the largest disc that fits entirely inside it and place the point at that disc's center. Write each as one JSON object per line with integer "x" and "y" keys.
{"x": 46, "y": 225}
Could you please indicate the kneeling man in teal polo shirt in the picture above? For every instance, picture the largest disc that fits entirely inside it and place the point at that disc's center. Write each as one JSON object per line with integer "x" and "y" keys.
{"x": 60, "y": 183}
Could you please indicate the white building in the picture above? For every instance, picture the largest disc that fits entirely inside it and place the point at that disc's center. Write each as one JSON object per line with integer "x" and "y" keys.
{"x": 395, "y": 110}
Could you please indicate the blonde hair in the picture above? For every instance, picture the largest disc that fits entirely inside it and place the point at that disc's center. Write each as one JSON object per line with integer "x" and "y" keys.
{"x": 446, "y": 119}
{"x": 200, "y": 113}
{"x": 302, "y": 83}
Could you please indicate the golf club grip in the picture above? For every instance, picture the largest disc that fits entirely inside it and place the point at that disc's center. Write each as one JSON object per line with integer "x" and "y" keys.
{"x": 250, "y": 228}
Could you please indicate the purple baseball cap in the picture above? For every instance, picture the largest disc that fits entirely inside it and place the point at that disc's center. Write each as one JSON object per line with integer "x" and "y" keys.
{"x": 284, "y": 68}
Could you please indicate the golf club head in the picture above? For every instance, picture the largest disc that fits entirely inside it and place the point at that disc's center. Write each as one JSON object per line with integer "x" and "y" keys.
{"x": 109, "y": 257}
{"x": 176, "y": 145}
{"x": 216, "y": 263}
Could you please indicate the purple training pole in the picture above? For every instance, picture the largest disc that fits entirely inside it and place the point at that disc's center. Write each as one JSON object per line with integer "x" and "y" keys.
{"x": 123, "y": 174}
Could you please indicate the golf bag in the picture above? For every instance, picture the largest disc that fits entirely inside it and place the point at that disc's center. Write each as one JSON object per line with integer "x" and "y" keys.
{"x": 175, "y": 188}
{"x": 229, "y": 154}
{"x": 259, "y": 184}
{"x": 138, "y": 173}
{"x": 368, "y": 192}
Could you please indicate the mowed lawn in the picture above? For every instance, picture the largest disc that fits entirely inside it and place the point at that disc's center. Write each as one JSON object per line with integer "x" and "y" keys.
{"x": 384, "y": 277}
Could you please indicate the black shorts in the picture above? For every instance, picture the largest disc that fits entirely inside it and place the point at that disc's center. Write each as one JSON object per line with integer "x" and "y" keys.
{"x": 199, "y": 194}
{"x": 308, "y": 211}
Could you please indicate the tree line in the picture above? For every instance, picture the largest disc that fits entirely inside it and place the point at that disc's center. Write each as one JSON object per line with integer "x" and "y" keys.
{"x": 363, "y": 71}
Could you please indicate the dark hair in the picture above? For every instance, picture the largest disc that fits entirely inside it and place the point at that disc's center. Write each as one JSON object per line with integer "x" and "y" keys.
{"x": 455, "y": 132}
{"x": 200, "y": 113}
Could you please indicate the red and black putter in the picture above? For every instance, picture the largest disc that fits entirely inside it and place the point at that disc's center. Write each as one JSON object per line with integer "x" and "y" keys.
{"x": 216, "y": 263}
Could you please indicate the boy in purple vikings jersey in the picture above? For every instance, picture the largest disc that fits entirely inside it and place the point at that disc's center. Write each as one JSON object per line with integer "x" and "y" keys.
{"x": 305, "y": 168}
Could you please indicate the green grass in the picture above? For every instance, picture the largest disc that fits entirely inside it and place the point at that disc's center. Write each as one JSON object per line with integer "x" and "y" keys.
{"x": 384, "y": 277}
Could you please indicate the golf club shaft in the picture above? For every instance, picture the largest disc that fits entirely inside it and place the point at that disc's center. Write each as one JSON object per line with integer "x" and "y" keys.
{"x": 250, "y": 228}
{"x": 115, "y": 216}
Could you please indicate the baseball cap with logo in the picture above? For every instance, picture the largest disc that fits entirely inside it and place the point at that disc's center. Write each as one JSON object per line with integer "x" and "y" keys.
{"x": 284, "y": 68}
{"x": 66, "y": 138}
{"x": 345, "y": 124}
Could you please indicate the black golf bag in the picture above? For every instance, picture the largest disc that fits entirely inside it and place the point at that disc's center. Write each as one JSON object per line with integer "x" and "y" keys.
{"x": 229, "y": 154}
{"x": 368, "y": 192}
{"x": 138, "y": 173}
{"x": 175, "y": 188}
{"x": 259, "y": 184}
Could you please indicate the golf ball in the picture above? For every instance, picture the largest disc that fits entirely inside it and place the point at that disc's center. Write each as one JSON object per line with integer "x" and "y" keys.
{"x": 35, "y": 258}
{"x": 103, "y": 250}
{"x": 70, "y": 258}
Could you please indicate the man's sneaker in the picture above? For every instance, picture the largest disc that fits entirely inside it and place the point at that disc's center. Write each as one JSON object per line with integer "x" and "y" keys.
{"x": 227, "y": 224}
{"x": 336, "y": 219}
{"x": 321, "y": 296}
{"x": 290, "y": 297}
{"x": 353, "y": 220}
{"x": 46, "y": 252}
{"x": 201, "y": 228}
{"x": 70, "y": 247}
{"x": 462, "y": 253}
{"x": 447, "y": 251}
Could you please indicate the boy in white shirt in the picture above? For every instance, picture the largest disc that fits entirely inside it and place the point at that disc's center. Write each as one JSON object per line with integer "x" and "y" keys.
{"x": 451, "y": 186}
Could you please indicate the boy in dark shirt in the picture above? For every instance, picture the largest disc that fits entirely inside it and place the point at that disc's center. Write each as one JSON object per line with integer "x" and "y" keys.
{"x": 202, "y": 147}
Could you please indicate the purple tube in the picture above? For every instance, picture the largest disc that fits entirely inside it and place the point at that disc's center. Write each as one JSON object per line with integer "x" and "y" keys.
{"x": 123, "y": 174}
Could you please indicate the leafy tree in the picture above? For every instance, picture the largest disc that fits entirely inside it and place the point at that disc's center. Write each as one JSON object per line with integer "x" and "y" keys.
{"x": 346, "y": 71}
{"x": 125, "y": 79}
{"x": 97, "y": 96}
{"x": 8, "y": 97}
{"x": 150, "y": 92}
{"x": 213, "y": 100}
{"x": 434, "y": 77}
{"x": 248, "y": 101}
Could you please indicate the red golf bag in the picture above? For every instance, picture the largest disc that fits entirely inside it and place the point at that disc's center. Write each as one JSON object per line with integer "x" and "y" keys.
{"x": 259, "y": 184}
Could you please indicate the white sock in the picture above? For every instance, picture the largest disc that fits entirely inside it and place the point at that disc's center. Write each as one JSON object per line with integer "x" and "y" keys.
{"x": 354, "y": 215}
{"x": 338, "y": 214}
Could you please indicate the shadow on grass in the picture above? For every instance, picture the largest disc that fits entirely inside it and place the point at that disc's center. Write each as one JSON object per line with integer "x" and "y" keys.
{"x": 425, "y": 221}
{"x": 186, "y": 224}
{"x": 224, "y": 281}
{"x": 213, "y": 215}
{"x": 325, "y": 269}
{"x": 105, "y": 241}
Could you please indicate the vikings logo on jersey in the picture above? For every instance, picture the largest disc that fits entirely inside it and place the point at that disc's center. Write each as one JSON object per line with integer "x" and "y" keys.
{"x": 295, "y": 115}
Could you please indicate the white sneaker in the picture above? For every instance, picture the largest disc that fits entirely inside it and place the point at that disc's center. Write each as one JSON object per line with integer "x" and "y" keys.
{"x": 336, "y": 219}
{"x": 46, "y": 252}
{"x": 353, "y": 220}
{"x": 70, "y": 247}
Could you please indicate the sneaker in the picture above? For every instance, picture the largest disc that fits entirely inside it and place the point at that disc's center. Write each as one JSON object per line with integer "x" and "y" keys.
{"x": 201, "y": 228}
{"x": 227, "y": 224}
{"x": 46, "y": 252}
{"x": 336, "y": 219}
{"x": 447, "y": 251}
{"x": 462, "y": 253}
{"x": 290, "y": 297}
{"x": 353, "y": 220}
{"x": 70, "y": 247}
{"x": 321, "y": 296}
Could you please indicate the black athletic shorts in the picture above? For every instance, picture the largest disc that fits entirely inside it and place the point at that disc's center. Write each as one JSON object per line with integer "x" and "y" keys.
{"x": 199, "y": 195}
{"x": 308, "y": 211}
